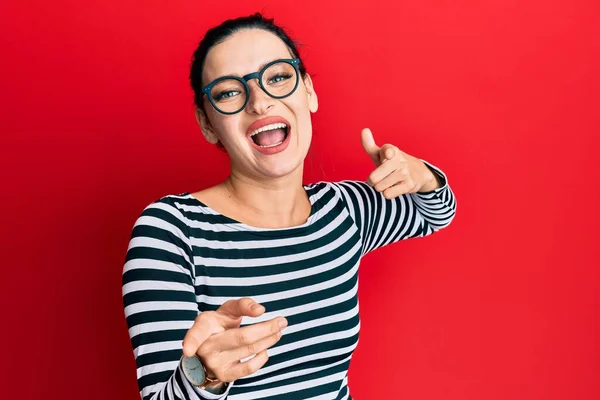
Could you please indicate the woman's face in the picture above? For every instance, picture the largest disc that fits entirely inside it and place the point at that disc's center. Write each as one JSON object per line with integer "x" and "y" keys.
{"x": 242, "y": 53}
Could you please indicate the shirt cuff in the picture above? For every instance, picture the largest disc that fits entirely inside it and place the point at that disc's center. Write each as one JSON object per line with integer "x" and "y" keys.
{"x": 205, "y": 394}
{"x": 440, "y": 174}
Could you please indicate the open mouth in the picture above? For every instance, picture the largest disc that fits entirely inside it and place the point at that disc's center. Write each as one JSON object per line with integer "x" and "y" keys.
{"x": 270, "y": 135}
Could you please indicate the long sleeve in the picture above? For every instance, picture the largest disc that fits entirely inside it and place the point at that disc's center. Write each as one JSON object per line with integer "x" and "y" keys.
{"x": 160, "y": 302}
{"x": 382, "y": 221}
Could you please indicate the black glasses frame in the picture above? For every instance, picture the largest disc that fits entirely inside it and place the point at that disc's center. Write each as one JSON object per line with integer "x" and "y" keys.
{"x": 295, "y": 62}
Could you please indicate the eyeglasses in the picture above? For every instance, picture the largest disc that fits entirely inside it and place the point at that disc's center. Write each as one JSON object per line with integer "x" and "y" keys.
{"x": 230, "y": 94}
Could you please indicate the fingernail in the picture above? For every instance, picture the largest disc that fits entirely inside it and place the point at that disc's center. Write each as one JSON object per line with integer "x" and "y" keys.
{"x": 256, "y": 307}
{"x": 282, "y": 323}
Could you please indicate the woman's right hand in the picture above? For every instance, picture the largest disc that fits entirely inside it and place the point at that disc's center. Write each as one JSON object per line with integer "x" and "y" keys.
{"x": 216, "y": 337}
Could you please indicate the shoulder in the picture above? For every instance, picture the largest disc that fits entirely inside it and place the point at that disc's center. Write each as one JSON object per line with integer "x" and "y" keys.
{"x": 341, "y": 186}
{"x": 335, "y": 185}
{"x": 347, "y": 190}
{"x": 170, "y": 210}
{"x": 160, "y": 239}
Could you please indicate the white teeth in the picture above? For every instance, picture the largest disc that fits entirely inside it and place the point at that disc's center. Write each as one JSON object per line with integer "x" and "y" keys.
{"x": 271, "y": 145}
{"x": 270, "y": 127}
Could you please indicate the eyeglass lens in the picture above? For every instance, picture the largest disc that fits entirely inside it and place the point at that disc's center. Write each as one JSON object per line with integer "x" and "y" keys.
{"x": 278, "y": 80}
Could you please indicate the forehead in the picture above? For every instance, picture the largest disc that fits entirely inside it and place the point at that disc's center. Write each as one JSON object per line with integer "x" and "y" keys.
{"x": 242, "y": 53}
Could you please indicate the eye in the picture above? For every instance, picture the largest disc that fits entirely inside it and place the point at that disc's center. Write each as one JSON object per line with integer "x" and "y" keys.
{"x": 279, "y": 78}
{"x": 226, "y": 95}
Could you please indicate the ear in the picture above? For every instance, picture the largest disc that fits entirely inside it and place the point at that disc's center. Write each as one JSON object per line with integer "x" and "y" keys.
{"x": 205, "y": 126}
{"x": 313, "y": 101}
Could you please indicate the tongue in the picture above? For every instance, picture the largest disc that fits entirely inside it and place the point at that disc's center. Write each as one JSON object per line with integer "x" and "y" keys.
{"x": 268, "y": 138}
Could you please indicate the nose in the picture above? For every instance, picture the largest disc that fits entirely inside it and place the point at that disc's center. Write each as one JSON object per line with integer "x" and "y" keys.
{"x": 258, "y": 101}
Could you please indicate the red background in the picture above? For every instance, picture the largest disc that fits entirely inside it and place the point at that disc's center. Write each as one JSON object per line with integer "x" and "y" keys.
{"x": 97, "y": 121}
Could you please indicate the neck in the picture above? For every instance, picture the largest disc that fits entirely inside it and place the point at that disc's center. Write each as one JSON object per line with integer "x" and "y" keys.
{"x": 280, "y": 202}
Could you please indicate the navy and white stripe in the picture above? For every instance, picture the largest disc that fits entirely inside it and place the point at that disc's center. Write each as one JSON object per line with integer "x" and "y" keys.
{"x": 184, "y": 258}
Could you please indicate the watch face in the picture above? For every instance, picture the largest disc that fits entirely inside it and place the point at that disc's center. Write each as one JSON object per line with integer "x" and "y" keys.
{"x": 193, "y": 370}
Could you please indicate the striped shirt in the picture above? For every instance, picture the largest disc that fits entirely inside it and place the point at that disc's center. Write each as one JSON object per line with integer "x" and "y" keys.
{"x": 184, "y": 258}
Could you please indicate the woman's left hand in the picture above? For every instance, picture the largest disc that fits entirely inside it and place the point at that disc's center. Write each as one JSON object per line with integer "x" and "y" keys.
{"x": 396, "y": 172}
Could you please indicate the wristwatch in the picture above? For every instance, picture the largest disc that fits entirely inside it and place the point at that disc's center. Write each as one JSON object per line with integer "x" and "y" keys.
{"x": 195, "y": 372}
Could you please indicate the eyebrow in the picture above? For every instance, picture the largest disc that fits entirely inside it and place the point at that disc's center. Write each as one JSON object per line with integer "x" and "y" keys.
{"x": 261, "y": 66}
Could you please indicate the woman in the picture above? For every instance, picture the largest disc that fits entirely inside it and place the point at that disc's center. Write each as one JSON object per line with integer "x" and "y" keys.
{"x": 255, "y": 279}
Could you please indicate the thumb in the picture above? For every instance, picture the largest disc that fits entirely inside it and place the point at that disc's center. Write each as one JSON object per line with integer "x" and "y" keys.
{"x": 368, "y": 143}
{"x": 241, "y": 307}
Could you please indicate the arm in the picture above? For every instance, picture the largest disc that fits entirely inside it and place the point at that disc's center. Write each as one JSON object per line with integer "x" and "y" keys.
{"x": 384, "y": 221}
{"x": 160, "y": 302}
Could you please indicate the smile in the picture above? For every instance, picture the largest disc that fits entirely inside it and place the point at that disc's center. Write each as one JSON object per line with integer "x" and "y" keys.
{"x": 275, "y": 140}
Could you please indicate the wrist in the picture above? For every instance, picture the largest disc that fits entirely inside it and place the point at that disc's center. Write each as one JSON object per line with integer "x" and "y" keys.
{"x": 195, "y": 372}
{"x": 432, "y": 181}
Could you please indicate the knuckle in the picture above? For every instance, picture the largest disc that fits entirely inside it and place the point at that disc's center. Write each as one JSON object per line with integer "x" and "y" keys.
{"x": 251, "y": 348}
{"x": 211, "y": 364}
{"x": 272, "y": 341}
{"x": 205, "y": 317}
{"x": 226, "y": 304}
{"x": 227, "y": 307}
{"x": 221, "y": 375}
{"x": 258, "y": 361}
{"x": 205, "y": 349}
{"x": 250, "y": 368}
{"x": 210, "y": 345}
{"x": 190, "y": 337}
{"x": 242, "y": 337}
{"x": 275, "y": 327}
{"x": 201, "y": 317}
{"x": 245, "y": 301}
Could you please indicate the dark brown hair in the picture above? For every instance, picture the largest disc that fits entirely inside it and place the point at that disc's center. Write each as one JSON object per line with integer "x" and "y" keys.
{"x": 221, "y": 32}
